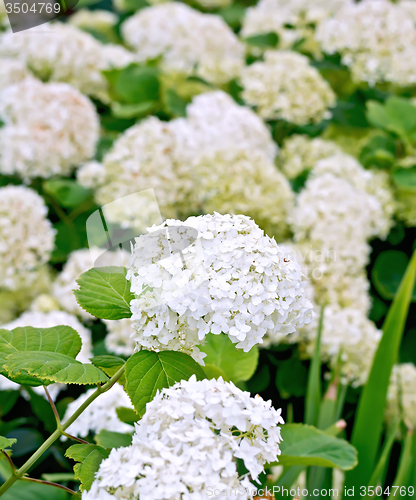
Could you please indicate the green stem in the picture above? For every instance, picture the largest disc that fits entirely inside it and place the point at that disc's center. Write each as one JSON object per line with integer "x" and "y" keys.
{"x": 18, "y": 474}
{"x": 49, "y": 483}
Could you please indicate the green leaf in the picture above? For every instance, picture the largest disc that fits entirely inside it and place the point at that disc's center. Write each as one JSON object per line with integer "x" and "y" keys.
{"x": 237, "y": 365}
{"x": 109, "y": 365}
{"x": 233, "y": 15}
{"x": 369, "y": 418}
{"x": 53, "y": 367}
{"x": 174, "y": 104}
{"x": 67, "y": 192}
{"x": 305, "y": 445}
{"x": 7, "y": 401}
{"x": 212, "y": 371}
{"x": 108, "y": 439}
{"x": 388, "y": 271}
{"x": 27, "y": 441}
{"x": 264, "y": 40}
{"x": 314, "y": 391}
{"x": 134, "y": 110}
{"x": 147, "y": 372}
{"x": 379, "y": 152}
{"x": 397, "y": 115}
{"x": 291, "y": 378}
{"x": 6, "y": 443}
{"x": 58, "y": 339}
{"x": 90, "y": 457}
{"x": 405, "y": 178}
{"x": 105, "y": 293}
{"x": 127, "y": 415}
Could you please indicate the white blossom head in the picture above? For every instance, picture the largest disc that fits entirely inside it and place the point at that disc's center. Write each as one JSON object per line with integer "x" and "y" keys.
{"x": 60, "y": 52}
{"x": 349, "y": 335}
{"x": 100, "y": 414}
{"x": 401, "y": 395}
{"x": 285, "y": 86}
{"x": 48, "y": 129}
{"x": 188, "y": 42}
{"x": 26, "y": 237}
{"x": 56, "y": 318}
{"x": 235, "y": 280}
{"x": 79, "y": 262}
{"x": 206, "y": 4}
{"x": 376, "y": 40}
{"x": 187, "y": 442}
{"x": 98, "y": 20}
{"x": 406, "y": 206}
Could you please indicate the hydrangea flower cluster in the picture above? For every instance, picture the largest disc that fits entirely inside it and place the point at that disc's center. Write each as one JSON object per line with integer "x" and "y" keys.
{"x": 376, "y": 40}
{"x": 26, "y": 237}
{"x": 63, "y": 53}
{"x": 188, "y": 440}
{"x": 220, "y": 158}
{"x": 284, "y": 86}
{"x": 206, "y": 4}
{"x": 348, "y": 333}
{"x": 236, "y": 280}
{"x": 401, "y": 396}
{"x": 56, "y": 318}
{"x": 188, "y": 41}
{"x": 12, "y": 71}
{"x": 99, "y": 20}
{"x": 100, "y": 414}
{"x": 291, "y": 21}
{"x": 49, "y": 129}
{"x": 77, "y": 263}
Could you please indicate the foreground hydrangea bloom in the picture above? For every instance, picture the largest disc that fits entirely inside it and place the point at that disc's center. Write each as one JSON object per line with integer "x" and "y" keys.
{"x": 188, "y": 41}
{"x": 284, "y": 86}
{"x": 49, "y": 129}
{"x": 60, "y": 52}
{"x": 236, "y": 280}
{"x": 376, "y": 39}
{"x": 101, "y": 414}
{"x": 187, "y": 442}
{"x": 401, "y": 396}
{"x": 12, "y": 71}
{"x": 26, "y": 237}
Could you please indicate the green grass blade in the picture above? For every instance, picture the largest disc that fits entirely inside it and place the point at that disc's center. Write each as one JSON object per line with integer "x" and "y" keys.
{"x": 313, "y": 393}
{"x": 406, "y": 461}
{"x": 368, "y": 424}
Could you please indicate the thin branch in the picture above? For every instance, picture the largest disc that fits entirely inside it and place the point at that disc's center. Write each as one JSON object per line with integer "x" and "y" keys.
{"x": 49, "y": 483}
{"x": 55, "y": 411}
{"x": 70, "y": 436}
{"x": 9, "y": 460}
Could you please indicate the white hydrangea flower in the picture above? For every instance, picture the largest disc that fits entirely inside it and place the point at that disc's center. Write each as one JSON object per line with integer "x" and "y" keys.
{"x": 79, "y": 262}
{"x": 300, "y": 153}
{"x": 119, "y": 339}
{"x": 285, "y": 86}
{"x": 335, "y": 213}
{"x": 376, "y": 40}
{"x": 186, "y": 444}
{"x": 12, "y": 71}
{"x": 346, "y": 331}
{"x": 236, "y": 281}
{"x": 56, "y": 318}
{"x": 215, "y": 122}
{"x": 240, "y": 181}
{"x": 401, "y": 396}
{"x": 275, "y": 16}
{"x": 91, "y": 174}
{"x": 188, "y": 41}
{"x": 63, "y": 53}
{"x": 26, "y": 237}
{"x": 410, "y": 7}
{"x": 49, "y": 129}
{"x": 99, "y": 20}
{"x": 141, "y": 158}
{"x": 100, "y": 414}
